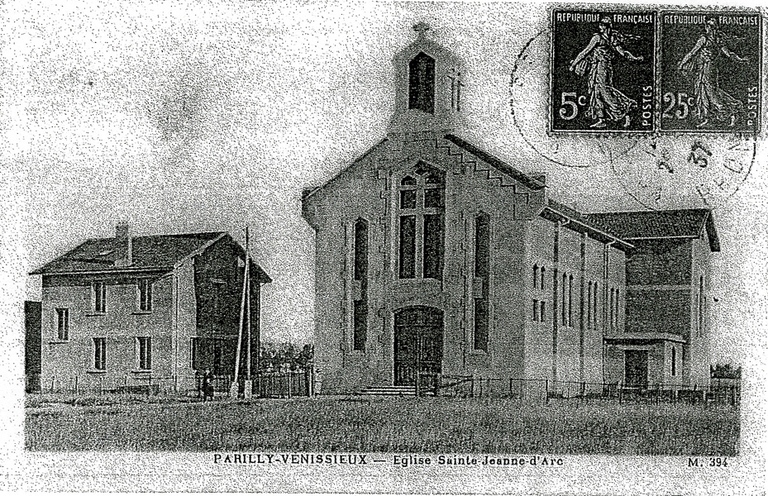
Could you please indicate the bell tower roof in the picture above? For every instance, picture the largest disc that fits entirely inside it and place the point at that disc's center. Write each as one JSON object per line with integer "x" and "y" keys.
{"x": 429, "y": 85}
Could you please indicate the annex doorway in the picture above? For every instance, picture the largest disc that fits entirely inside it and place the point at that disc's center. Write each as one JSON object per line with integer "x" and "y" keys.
{"x": 418, "y": 345}
{"x": 636, "y": 368}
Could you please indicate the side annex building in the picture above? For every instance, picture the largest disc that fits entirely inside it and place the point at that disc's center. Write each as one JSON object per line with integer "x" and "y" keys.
{"x": 435, "y": 258}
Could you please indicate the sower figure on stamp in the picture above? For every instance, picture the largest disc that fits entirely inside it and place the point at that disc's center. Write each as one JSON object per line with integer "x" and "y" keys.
{"x": 711, "y": 101}
{"x": 207, "y": 385}
{"x": 596, "y": 61}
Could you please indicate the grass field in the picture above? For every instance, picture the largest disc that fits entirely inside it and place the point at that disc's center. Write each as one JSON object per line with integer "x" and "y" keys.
{"x": 424, "y": 425}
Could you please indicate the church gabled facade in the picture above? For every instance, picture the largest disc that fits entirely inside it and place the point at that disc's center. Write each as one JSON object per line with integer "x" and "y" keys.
{"x": 435, "y": 257}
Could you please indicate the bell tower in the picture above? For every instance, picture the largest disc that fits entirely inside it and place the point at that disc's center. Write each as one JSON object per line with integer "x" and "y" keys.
{"x": 429, "y": 85}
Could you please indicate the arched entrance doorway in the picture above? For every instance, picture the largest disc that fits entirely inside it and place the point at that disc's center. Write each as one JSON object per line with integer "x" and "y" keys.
{"x": 418, "y": 344}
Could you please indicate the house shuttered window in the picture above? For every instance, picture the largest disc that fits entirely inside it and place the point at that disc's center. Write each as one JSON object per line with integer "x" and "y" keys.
{"x": 144, "y": 353}
{"x": 100, "y": 353}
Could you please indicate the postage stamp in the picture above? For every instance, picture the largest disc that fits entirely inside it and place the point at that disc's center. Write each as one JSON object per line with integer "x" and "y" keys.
{"x": 710, "y": 71}
{"x": 602, "y": 71}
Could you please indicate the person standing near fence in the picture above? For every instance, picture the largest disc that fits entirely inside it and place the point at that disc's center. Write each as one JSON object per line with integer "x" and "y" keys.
{"x": 207, "y": 385}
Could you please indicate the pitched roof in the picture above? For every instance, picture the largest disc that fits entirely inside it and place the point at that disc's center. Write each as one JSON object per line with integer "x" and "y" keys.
{"x": 149, "y": 252}
{"x": 496, "y": 162}
{"x": 657, "y": 224}
{"x": 581, "y": 223}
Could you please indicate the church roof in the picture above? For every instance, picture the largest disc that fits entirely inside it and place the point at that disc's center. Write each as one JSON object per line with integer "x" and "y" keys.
{"x": 496, "y": 162}
{"x": 659, "y": 224}
{"x": 579, "y": 222}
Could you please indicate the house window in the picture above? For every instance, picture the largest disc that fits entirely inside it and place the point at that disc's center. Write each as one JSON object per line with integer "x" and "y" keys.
{"x": 482, "y": 272}
{"x": 541, "y": 312}
{"x": 360, "y": 314}
{"x": 535, "y": 276}
{"x": 194, "y": 351}
{"x": 99, "y": 296}
{"x": 535, "y": 310}
{"x": 144, "y": 353}
{"x": 62, "y": 324}
{"x": 421, "y": 83}
{"x": 100, "y": 353}
{"x": 145, "y": 295}
{"x": 421, "y": 228}
{"x": 542, "y": 279}
{"x": 674, "y": 358}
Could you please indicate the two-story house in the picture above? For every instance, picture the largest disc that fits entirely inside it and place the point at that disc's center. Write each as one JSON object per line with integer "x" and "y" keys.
{"x": 143, "y": 310}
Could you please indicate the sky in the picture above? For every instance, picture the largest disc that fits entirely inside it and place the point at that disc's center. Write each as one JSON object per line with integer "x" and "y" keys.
{"x": 209, "y": 116}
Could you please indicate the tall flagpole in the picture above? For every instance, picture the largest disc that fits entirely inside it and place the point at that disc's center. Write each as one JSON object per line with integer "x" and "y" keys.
{"x": 233, "y": 390}
{"x": 248, "y": 384}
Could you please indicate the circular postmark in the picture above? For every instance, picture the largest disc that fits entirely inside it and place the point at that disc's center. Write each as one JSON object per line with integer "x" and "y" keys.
{"x": 530, "y": 105}
{"x": 666, "y": 171}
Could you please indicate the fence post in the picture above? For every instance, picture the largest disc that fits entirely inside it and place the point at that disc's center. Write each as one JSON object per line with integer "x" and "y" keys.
{"x": 76, "y": 386}
{"x": 289, "y": 383}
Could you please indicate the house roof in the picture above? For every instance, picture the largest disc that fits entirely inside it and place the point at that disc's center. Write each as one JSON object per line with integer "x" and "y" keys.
{"x": 148, "y": 253}
{"x": 659, "y": 224}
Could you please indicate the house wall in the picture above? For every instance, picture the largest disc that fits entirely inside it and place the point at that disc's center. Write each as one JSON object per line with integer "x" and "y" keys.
{"x": 218, "y": 282}
{"x": 696, "y": 362}
{"x": 368, "y": 190}
{"x": 121, "y": 324}
{"x": 659, "y": 286}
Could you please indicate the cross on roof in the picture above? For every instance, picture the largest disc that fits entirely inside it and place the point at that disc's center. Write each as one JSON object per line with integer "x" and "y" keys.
{"x": 421, "y": 28}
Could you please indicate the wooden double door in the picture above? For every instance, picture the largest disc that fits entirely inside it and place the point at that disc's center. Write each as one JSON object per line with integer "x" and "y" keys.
{"x": 418, "y": 345}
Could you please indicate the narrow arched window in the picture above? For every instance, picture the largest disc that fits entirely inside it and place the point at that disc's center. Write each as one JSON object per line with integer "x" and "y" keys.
{"x": 674, "y": 361}
{"x": 570, "y": 301}
{"x": 589, "y": 304}
{"x": 535, "y": 276}
{"x": 700, "y": 319}
{"x": 596, "y": 294}
{"x": 564, "y": 301}
{"x": 360, "y": 310}
{"x": 542, "y": 279}
{"x": 421, "y": 83}
{"x": 482, "y": 272}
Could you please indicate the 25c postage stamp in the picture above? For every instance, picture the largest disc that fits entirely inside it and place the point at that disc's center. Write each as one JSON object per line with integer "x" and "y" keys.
{"x": 710, "y": 71}
{"x": 602, "y": 71}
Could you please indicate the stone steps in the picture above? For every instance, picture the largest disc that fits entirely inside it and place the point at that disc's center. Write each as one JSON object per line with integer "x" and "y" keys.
{"x": 389, "y": 391}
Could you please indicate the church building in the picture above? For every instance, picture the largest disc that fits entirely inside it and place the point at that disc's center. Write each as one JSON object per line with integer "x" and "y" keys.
{"x": 434, "y": 258}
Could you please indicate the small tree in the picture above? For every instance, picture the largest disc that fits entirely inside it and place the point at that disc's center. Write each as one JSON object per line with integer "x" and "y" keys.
{"x": 725, "y": 371}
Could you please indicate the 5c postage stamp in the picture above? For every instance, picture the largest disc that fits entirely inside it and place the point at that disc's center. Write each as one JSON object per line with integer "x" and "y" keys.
{"x": 710, "y": 71}
{"x": 602, "y": 71}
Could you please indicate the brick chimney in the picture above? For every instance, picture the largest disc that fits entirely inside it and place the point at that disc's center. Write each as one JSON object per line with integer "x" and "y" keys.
{"x": 123, "y": 236}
